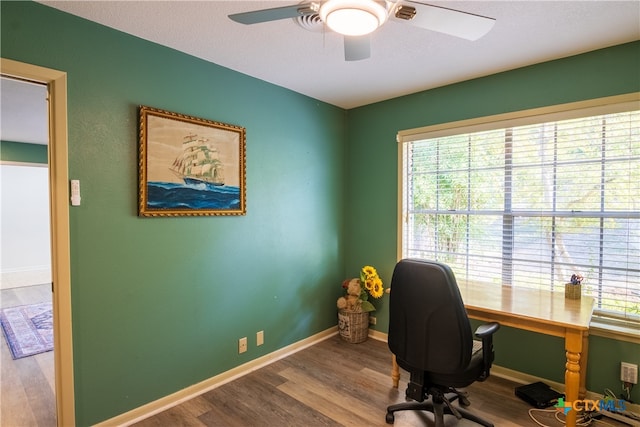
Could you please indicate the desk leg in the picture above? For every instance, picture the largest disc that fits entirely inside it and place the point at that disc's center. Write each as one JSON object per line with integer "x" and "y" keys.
{"x": 395, "y": 372}
{"x": 583, "y": 365}
{"x": 573, "y": 346}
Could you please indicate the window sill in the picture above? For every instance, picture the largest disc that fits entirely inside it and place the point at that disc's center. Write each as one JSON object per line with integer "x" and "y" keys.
{"x": 622, "y": 331}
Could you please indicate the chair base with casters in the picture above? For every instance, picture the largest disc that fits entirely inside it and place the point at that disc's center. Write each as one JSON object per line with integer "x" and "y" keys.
{"x": 427, "y": 395}
{"x": 439, "y": 404}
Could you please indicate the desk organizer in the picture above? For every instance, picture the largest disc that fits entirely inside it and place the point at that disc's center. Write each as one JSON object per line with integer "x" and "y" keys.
{"x": 572, "y": 291}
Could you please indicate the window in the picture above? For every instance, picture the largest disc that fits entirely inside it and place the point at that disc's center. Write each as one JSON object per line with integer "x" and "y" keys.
{"x": 530, "y": 199}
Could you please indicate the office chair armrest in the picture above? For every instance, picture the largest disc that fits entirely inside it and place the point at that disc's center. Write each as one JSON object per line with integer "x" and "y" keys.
{"x": 485, "y": 332}
{"x": 487, "y": 329}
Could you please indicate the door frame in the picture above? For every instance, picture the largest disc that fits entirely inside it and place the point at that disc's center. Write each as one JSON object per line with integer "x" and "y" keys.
{"x": 56, "y": 82}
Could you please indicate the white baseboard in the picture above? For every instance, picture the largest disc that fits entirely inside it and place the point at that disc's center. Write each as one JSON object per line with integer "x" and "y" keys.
{"x": 164, "y": 403}
{"x": 377, "y": 335}
{"x": 523, "y": 378}
{"x": 28, "y": 276}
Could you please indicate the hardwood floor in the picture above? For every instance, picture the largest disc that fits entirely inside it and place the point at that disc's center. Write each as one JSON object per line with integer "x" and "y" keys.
{"x": 26, "y": 385}
{"x": 335, "y": 383}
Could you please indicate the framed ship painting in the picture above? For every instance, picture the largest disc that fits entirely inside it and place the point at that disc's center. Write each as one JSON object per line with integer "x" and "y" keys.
{"x": 190, "y": 166}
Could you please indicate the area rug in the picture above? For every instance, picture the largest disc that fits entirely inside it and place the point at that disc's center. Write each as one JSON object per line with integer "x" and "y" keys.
{"x": 28, "y": 329}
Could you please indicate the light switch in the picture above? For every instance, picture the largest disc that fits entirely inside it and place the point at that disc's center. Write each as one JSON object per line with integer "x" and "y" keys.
{"x": 75, "y": 192}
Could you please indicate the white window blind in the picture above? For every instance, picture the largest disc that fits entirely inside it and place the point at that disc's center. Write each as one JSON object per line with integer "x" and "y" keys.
{"x": 531, "y": 204}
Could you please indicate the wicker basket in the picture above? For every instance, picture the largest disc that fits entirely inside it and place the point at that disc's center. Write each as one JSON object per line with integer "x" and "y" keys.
{"x": 572, "y": 291}
{"x": 353, "y": 326}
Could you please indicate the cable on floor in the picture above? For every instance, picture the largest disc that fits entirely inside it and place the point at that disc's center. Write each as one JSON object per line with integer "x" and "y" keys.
{"x": 581, "y": 421}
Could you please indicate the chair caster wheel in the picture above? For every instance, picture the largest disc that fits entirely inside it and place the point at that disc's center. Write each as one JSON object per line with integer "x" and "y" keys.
{"x": 464, "y": 401}
{"x": 389, "y": 418}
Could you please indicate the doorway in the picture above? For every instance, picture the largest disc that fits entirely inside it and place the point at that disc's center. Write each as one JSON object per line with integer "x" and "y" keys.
{"x": 25, "y": 255}
{"x": 28, "y": 386}
{"x": 56, "y": 83}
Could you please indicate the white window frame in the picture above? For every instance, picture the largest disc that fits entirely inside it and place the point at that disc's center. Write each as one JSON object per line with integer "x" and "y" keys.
{"x": 614, "y": 104}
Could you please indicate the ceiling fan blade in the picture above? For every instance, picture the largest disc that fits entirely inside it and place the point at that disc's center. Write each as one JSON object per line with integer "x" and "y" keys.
{"x": 443, "y": 20}
{"x": 357, "y": 48}
{"x": 266, "y": 15}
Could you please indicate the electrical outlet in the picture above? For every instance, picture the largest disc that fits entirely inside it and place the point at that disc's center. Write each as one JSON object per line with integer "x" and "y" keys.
{"x": 242, "y": 345}
{"x": 629, "y": 373}
{"x": 260, "y": 338}
{"x": 372, "y": 320}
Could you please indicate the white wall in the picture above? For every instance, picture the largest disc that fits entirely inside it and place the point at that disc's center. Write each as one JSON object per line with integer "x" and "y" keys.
{"x": 24, "y": 220}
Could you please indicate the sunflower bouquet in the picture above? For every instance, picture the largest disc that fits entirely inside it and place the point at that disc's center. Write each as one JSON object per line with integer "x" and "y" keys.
{"x": 359, "y": 289}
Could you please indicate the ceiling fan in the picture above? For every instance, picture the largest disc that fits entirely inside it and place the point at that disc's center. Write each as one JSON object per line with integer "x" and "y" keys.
{"x": 357, "y": 19}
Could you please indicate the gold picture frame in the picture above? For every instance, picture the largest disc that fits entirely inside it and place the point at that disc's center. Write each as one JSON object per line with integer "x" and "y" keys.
{"x": 189, "y": 166}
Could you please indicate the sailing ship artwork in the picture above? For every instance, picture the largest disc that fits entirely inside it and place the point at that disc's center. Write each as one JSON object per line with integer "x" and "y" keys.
{"x": 199, "y": 163}
{"x": 190, "y": 166}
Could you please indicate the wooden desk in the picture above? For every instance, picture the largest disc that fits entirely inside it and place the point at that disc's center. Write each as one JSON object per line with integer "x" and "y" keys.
{"x": 539, "y": 311}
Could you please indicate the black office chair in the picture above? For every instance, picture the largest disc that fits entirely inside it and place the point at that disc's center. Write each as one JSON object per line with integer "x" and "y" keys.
{"x": 430, "y": 335}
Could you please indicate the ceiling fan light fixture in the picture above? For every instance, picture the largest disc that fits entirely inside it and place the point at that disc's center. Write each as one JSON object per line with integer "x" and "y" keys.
{"x": 353, "y": 17}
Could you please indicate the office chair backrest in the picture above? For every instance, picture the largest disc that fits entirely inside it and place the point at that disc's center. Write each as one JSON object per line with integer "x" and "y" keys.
{"x": 428, "y": 324}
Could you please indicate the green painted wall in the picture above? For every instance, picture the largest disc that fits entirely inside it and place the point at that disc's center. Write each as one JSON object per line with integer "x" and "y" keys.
{"x": 20, "y": 152}
{"x": 158, "y": 304}
{"x": 372, "y": 176}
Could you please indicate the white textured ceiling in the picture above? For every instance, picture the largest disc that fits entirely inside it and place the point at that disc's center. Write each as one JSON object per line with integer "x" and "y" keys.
{"x": 404, "y": 59}
{"x": 23, "y": 112}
